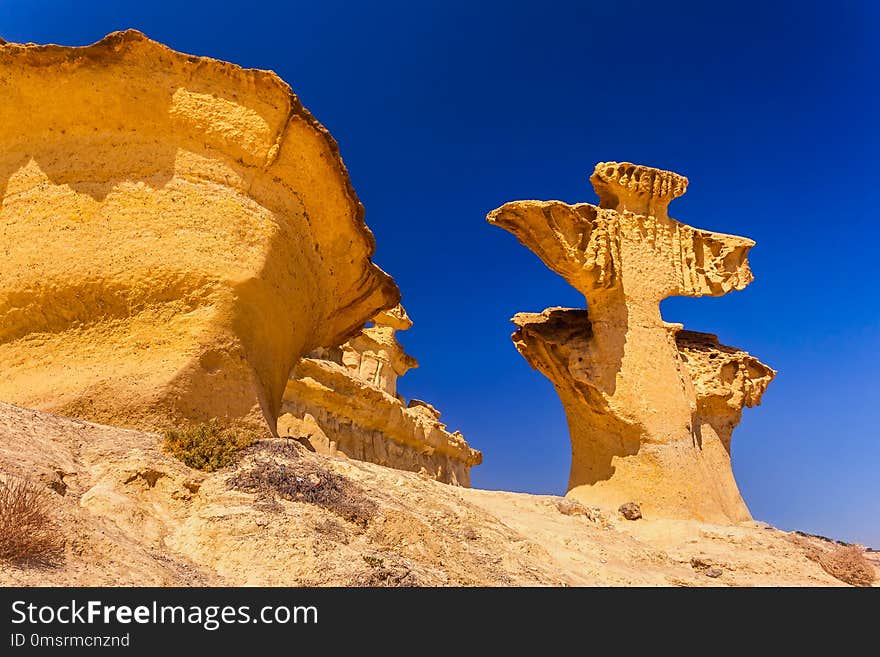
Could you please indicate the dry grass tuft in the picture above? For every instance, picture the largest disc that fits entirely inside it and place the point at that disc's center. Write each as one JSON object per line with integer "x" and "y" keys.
{"x": 284, "y": 448}
{"x": 28, "y": 537}
{"x": 332, "y": 530}
{"x": 843, "y": 561}
{"x": 849, "y": 565}
{"x": 309, "y": 483}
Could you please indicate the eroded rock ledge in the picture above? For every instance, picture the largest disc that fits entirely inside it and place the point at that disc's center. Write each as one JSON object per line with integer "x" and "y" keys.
{"x": 650, "y": 408}
{"x": 177, "y": 233}
{"x": 344, "y": 401}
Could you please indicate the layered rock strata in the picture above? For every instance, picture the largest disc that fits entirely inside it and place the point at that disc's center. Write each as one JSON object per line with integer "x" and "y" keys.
{"x": 650, "y": 408}
{"x": 176, "y": 233}
{"x": 344, "y": 400}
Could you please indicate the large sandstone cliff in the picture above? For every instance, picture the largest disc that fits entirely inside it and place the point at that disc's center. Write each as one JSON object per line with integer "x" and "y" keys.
{"x": 176, "y": 232}
{"x": 650, "y": 414}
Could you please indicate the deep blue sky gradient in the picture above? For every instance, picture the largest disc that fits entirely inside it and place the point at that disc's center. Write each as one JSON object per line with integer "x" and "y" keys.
{"x": 444, "y": 111}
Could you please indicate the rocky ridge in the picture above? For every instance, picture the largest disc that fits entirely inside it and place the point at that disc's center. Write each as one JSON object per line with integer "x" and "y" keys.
{"x": 133, "y": 515}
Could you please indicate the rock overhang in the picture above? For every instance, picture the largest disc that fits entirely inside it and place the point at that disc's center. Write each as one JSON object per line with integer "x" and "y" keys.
{"x": 180, "y": 194}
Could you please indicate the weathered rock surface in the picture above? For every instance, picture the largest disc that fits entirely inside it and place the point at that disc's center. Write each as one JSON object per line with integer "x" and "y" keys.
{"x": 132, "y": 515}
{"x": 344, "y": 401}
{"x": 630, "y": 511}
{"x": 650, "y": 410}
{"x": 725, "y": 380}
{"x": 176, "y": 232}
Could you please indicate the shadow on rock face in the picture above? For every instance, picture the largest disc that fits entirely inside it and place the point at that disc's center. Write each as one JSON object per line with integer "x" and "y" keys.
{"x": 177, "y": 232}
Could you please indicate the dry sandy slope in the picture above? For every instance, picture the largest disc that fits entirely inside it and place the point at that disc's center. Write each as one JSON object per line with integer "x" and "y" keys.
{"x": 133, "y": 515}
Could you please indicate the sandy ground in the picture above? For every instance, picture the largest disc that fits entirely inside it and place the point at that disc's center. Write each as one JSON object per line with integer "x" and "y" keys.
{"x": 133, "y": 515}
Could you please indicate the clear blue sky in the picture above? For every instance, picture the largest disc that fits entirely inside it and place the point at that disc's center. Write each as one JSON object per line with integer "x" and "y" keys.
{"x": 445, "y": 110}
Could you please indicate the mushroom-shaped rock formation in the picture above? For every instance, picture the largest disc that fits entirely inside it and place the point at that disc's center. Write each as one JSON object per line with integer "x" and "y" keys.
{"x": 374, "y": 355}
{"x": 177, "y": 232}
{"x": 650, "y": 409}
{"x": 344, "y": 400}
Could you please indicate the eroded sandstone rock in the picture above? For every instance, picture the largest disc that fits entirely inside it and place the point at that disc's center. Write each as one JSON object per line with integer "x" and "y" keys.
{"x": 344, "y": 401}
{"x": 650, "y": 409}
{"x": 176, "y": 232}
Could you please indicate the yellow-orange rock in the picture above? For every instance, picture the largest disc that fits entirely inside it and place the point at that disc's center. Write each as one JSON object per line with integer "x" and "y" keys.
{"x": 176, "y": 233}
{"x": 375, "y": 356}
{"x": 650, "y": 415}
{"x": 344, "y": 400}
{"x": 133, "y": 515}
{"x": 725, "y": 380}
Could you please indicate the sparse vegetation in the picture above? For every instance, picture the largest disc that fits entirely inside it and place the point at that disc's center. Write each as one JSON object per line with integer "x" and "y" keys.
{"x": 285, "y": 448}
{"x": 209, "y": 446}
{"x": 844, "y": 561}
{"x": 847, "y": 564}
{"x": 392, "y": 570}
{"x": 306, "y": 482}
{"x": 332, "y": 530}
{"x": 28, "y": 537}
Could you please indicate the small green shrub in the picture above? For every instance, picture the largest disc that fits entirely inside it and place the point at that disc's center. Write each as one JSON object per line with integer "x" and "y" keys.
{"x": 393, "y": 570}
{"x": 209, "y": 446}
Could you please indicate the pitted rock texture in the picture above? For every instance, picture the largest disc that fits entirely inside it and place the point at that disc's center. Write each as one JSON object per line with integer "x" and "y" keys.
{"x": 725, "y": 379}
{"x": 650, "y": 414}
{"x": 177, "y": 232}
{"x": 344, "y": 401}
